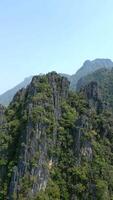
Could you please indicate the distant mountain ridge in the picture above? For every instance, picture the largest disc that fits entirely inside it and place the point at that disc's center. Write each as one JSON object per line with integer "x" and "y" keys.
{"x": 7, "y": 97}
{"x": 88, "y": 68}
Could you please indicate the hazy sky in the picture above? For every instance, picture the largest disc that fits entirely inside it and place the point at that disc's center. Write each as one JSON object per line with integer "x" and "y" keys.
{"x": 38, "y": 36}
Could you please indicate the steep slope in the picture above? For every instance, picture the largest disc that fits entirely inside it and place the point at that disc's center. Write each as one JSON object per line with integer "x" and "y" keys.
{"x": 104, "y": 79}
{"x": 4, "y": 138}
{"x": 88, "y": 68}
{"x": 59, "y": 144}
{"x": 32, "y": 118}
{"x": 7, "y": 97}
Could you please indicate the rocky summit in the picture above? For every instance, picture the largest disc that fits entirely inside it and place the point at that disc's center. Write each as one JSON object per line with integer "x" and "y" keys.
{"x": 56, "y": 144}
{"x": 87, "y": 68}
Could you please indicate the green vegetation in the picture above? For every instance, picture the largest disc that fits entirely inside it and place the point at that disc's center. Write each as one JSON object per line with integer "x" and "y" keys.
{"x": 104, "y": 79}
{"x": 55, "y": 146}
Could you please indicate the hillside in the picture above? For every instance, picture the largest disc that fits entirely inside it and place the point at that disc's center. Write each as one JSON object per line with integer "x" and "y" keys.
{"x": 104, "y": 79}
{"x": 87, "y": 68}
{"x": 7, "y": 97}
{"x": 55, "y": 143}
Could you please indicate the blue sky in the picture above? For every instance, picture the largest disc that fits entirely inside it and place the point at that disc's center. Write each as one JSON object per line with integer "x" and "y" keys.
{"x": 43, "y": 35}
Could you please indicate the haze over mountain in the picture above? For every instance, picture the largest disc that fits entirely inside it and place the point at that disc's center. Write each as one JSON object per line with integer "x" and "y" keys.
{"x": 7, "y": 97}
{"x": 87, "y": 68}
{"x": 57, "y": 144}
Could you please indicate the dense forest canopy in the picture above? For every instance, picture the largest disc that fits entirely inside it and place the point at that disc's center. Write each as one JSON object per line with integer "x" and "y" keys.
{"x": 56, "y": 143}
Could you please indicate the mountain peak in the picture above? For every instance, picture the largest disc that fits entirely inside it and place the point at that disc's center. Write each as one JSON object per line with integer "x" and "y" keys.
{"x": 97, "y": 64}
{"x": 89, "y": 67}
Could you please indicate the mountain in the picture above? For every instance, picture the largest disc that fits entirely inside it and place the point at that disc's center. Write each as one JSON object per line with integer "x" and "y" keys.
{"x": 56, "y": 143}
{"x": 104, "y": 79}
{"x": 7, "y": 97}
{"x": 87, "y": 68}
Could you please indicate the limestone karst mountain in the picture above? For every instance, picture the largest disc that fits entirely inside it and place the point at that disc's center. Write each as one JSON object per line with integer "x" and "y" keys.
{"x": 87, "y": 68}
{"x": 56, "y": 143}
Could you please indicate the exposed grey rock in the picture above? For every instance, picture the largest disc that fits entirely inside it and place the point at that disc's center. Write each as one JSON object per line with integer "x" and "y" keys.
{"x": 87, "y": 68}
{"x": 33, "y": 139}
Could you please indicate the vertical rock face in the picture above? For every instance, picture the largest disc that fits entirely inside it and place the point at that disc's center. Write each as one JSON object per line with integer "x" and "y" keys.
{"x": 56, "y": 144}
{"x": 104, "y": 80}
{"x": 3, "y": 145}
{"x": 92, "y": 91}
{"x": 93, "y": 95}
{"x": 40, "y": 104}
{"x": 2, "y": 116}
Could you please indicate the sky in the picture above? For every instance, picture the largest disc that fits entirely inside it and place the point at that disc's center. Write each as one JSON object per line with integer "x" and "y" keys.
{"x": 39, "y": 36}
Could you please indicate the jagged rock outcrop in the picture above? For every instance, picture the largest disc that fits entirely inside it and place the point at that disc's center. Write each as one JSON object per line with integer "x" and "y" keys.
{"x": 91, "y": 91}
{"x": 42, "y": 94}
{"x": 57, "y": 144}
{"x": 2, "y": 116}
{"x": 3, "y": 145}
{"x": 104, "y": 80}
{"x": 87, "y": 68}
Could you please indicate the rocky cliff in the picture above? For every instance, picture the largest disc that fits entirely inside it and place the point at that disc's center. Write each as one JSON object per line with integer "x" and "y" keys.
{"x": 56, "y": 144}
{"x": 87, "y": 68}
